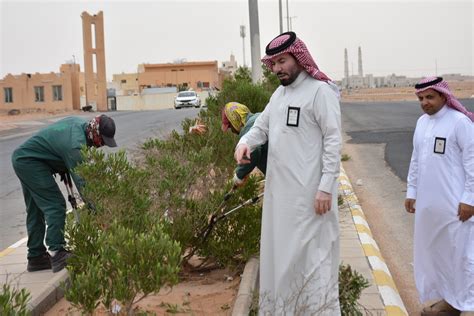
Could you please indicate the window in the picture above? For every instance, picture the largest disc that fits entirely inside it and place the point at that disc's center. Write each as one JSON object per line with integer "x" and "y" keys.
{"x": 123, "y": 81}
{"x": 39, "y": 94}
{"x": 187, "y": 94}
{"x": 8, "y": 95}
{"x": 205, "y": 84}
{"x": 57, "y": 93}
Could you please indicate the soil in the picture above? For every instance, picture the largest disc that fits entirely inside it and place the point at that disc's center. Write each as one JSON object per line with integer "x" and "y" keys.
{"x": 199, "y": 293}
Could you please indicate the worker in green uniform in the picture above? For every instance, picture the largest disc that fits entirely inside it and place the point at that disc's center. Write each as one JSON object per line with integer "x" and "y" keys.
{"x": 238, "y": 118}
{"x": 55, "y": 149}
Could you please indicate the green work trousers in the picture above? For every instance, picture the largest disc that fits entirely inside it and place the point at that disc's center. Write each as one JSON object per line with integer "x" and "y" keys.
{"x": 45, "y": 205}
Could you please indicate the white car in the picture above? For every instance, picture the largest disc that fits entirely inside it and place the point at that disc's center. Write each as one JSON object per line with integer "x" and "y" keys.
{"x": 187, "y": 99}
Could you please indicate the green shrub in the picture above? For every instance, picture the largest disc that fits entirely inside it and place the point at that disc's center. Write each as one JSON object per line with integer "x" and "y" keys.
{"x": 345, "y": 157}
{"x": 121, "y": 250}
{"x": 14, "y": 301}
{"x": 351, "y": 285}
{"x": 189, "y": 176}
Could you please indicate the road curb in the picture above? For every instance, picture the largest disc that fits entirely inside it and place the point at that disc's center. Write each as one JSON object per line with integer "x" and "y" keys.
{"x": 52, "y": 293}
{"x": 383, "y": 279}
{"x": 248, "y": 285}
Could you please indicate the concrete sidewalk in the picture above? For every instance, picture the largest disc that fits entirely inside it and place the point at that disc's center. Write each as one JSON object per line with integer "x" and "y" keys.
{"x": 43, "y": 286}
{"x": 358, "y": 249}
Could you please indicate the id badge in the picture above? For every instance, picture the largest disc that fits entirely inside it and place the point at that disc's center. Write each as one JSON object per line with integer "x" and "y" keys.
{"x": 439, "y": 145}
{"x": 293, "y": 116}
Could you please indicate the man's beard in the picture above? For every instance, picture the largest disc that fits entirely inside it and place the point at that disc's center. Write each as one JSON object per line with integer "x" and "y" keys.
{"x": 291, "y": 78}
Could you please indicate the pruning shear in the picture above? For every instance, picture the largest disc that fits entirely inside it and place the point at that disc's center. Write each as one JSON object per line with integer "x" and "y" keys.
{"x": 219, "y": 215}
{"x": 66, "y": 178}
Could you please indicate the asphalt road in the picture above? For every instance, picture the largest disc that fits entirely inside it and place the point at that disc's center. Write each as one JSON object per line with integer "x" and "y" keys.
{"x": 391, "y": 123}
{"x": 379, "y": 142}
{"x": 133, "y": 128}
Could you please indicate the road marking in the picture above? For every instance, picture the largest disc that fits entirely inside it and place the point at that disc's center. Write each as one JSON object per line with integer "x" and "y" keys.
{"x": 13, "y": 247}
{"x": 383, "y": 279}
{"x": 20, "y": 242}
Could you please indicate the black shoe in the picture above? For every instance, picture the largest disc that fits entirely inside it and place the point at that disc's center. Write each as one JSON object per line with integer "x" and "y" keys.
{"x": 58, "y": 261}
{"x": 38, "y": 263}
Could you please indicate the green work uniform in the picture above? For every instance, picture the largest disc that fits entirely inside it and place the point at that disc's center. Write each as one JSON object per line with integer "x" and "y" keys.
{"x": 258, "y": 157}
{"x": 54, "y": 149}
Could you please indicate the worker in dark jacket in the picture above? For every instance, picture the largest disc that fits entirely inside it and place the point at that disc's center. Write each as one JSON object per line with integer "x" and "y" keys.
{"x": 55, "y": 149}
{"x": 238, "y": 118}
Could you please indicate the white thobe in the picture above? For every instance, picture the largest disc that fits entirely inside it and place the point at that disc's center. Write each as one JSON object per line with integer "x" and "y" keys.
{"x": 299, "y": 253}
{"x": 441, "y": 176}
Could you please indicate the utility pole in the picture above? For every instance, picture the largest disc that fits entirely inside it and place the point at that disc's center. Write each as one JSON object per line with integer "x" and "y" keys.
{"x": 287, "y": 17}
{"x": 255, "y": 41}
{"x": 242, "y": 34}
{"x": 291, "y": 22}
{"x": 281, "y": 16}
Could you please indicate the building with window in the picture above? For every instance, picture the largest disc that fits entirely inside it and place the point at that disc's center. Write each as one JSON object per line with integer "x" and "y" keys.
{"x": 198, "y": 75}
{"x": 52, "y": 92}
{"x": 125, "y": 83}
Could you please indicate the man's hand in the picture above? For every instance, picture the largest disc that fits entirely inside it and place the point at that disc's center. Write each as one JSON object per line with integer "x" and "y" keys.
{"x": 322, "y": 202}
{"x": 198, "y": 128}
{"x": 242, "y": 154}
{"x": 465, "y": 212}
{"x": 410, "y": 205}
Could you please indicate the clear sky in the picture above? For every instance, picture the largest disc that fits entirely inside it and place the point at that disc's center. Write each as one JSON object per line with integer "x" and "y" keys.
{"x": 402, "y": 37}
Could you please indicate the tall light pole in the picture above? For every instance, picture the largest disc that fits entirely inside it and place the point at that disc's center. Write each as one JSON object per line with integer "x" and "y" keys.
{"x": 287, "y": 17}
{"x": 242, "y": 34}
{"x": 281, "y": 15}
{"x": 255, "y": 41}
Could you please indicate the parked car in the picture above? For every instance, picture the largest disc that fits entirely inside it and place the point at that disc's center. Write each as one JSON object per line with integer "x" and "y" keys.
{"x": 187, "y": 99}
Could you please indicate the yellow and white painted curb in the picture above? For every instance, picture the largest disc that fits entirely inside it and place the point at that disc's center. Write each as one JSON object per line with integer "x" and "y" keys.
{"x": 388, "y": 290}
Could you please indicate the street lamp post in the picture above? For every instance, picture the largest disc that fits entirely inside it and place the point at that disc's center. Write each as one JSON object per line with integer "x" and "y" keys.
{"x": 281, "y": 16}
{"x": 255, "y": 41}
{"x": 242, "y": 34}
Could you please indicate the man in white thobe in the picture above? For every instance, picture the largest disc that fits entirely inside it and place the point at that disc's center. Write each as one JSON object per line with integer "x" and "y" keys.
{"x": 441, "y": 183}
{"x": 299, "y": 253}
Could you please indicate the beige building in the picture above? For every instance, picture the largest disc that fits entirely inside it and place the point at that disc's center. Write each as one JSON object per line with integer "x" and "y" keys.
{"x": 229, "y": 66}
{"x": 125, "y": 84}
{"x": 52, "y": 92}
{"x": 199, "y": 76}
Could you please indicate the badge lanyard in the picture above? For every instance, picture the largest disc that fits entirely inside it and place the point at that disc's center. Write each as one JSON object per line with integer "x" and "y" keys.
{"x": 293, "y": 116}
